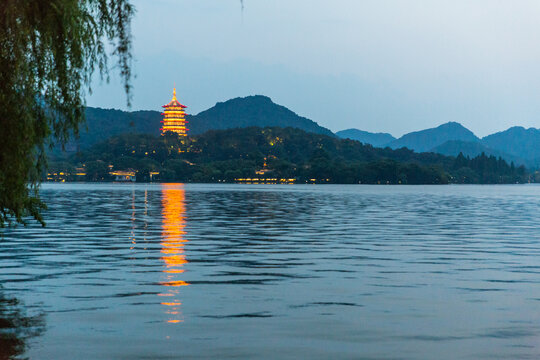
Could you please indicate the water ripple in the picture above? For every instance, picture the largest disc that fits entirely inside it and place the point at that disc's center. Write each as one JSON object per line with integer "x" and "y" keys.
{"x": 343, "y": 272}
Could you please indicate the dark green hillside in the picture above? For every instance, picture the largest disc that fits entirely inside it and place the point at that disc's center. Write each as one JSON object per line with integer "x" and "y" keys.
{"x": 236, "y": 113}
{"x": 296, "y": 146}
{"x": 518, "y": 145}
{"x": 282, "y": 153}
{"x": 104, "y": 123}
{"x": 249, "y": 111}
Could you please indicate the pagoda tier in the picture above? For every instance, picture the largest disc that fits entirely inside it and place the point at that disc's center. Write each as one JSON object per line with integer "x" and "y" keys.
{"x": 174, "y": 117}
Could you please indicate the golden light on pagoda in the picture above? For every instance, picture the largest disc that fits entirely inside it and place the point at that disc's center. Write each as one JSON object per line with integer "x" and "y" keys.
{"x": 172, "y": 248}
{"x": 174, "y": 117}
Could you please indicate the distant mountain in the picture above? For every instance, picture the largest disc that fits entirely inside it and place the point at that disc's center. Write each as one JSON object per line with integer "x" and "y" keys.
{"x": 473, "y": 149}
{"x": 517, "y": 141}
{"x": 236, "y": 113}
{"x": 256, "y": 110}
{"x": 375, "y": 139}
{"x": 425, "y": 140}
{"x": 104, "y": 123}
{"x": 515, "y": 144}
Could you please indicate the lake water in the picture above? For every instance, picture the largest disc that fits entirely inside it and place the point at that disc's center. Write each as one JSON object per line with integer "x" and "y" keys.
{"x": 145, "y": 271}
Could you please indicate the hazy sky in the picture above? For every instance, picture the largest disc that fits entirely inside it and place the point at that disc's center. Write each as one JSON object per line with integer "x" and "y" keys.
{"x": 383, "y": 65}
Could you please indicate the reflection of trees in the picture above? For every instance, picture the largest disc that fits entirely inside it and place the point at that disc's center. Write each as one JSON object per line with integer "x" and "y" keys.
{"x": 16, "y": 327}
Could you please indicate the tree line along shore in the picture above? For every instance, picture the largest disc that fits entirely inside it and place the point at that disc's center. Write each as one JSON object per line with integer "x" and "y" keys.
{"x": 273, "y": 155}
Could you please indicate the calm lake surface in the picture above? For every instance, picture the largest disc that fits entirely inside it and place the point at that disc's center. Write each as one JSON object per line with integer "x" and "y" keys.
{"x": 281, "y": 272}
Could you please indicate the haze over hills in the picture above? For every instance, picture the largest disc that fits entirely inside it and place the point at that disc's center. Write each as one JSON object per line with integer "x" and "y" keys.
{"x": 517, "y": 141}
{"x": 517, "y": 144}
{"x": 426, "y": 140}
{"x": 375, "y": 139}
{"x": 474, "y": 148}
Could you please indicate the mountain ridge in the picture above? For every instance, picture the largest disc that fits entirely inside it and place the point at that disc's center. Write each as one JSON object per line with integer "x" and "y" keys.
{"x": 425, "y": 140}
{"x": 516, "y": 144}
{"x": 517, "y": 141}
{"x": 375, "y": 139}
{"x": 255, "y": 110}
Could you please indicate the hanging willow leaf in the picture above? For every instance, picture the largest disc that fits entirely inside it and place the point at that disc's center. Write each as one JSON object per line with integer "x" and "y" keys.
{"x": 49, "y": 50}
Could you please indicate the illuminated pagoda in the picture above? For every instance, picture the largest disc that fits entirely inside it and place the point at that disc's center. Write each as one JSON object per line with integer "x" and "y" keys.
{"x": 174, "y": 117}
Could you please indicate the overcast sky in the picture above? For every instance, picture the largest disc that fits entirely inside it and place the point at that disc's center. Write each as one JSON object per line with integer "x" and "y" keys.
{"x": 383, "y": 65}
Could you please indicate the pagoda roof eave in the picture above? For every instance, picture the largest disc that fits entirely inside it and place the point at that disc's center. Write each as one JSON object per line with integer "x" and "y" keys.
{"x": 174, "y": 103}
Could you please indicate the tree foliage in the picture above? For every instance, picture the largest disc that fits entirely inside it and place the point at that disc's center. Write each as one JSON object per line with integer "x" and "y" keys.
{"x": 49, "y": 50}
{"x": 227, "y": 155}
{"x": 17, "y": 327}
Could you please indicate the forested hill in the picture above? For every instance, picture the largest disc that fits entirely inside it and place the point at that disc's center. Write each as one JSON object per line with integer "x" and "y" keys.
{"x": 516, "y": 145}
{"x": 236, "y": 113}
{"x": 281, "y": 153}
{"x": 296, "y": 146}
{"x": 256, "y": 110}
{"x": 104, "y": 123}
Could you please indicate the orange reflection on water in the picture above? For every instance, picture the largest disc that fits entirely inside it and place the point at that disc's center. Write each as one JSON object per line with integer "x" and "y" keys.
{"x": 172, "y": 246}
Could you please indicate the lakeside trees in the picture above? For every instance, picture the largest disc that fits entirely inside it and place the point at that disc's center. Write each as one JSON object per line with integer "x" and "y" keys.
{"x": 16, "y": 328}
{"x": 48, "y": 53}
{"x": 284, "y": 153}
